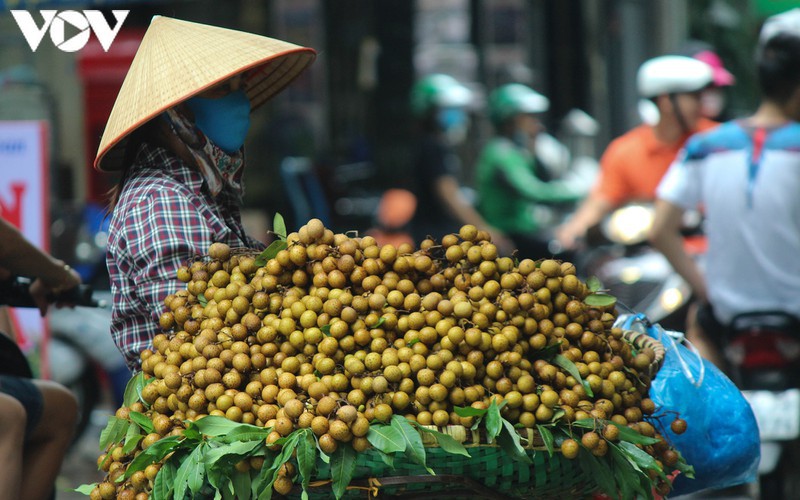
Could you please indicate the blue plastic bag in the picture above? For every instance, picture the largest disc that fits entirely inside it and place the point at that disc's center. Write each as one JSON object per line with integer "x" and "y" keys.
{"x": 721, "y": 441}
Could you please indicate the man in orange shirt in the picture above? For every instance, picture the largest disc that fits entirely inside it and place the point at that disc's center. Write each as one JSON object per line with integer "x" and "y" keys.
{"x": 633, "y": 164}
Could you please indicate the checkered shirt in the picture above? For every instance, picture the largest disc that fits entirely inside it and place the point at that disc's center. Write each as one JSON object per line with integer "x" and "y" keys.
{"x": 164, "y": 218}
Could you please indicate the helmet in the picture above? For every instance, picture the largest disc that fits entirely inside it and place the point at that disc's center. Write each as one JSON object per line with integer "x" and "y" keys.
{"x": 786, "y": 22}
{"x": 672, "y": 75}
{"x": 514, "y": 98}
{"x": 438, "y": 90}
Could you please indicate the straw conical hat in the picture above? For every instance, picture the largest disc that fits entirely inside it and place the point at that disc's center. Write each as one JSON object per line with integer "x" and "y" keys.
{"x": 178, "y": 59}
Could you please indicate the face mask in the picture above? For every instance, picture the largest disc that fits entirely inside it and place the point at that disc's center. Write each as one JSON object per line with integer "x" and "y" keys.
{"x": 452, "y": 118}
{"x": 224, "y": 120}
{"x": 712, "y": 103}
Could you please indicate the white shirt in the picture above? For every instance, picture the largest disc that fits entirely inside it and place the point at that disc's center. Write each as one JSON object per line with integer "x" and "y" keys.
{"x": 752, "y": 214}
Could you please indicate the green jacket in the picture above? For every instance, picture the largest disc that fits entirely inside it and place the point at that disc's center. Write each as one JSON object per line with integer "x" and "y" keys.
{"x": 508, "y": 189}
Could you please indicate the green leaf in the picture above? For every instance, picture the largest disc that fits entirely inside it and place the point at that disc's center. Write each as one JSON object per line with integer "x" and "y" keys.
{"x": 262, "y": 485}
{"x": 164, "y": 483}
{"x": 386, "y": 438}
{"x": 306, "y": 456}
{"x": 279, "y": 226}
{"x": 241, "y": 484}
{"x": 326, "y": 329}
{"x": 468, "y": 411}
{"x": 593, "y": 283}
{"x": 447, "y": 443}
{"x": 509, "y": 441}
{"x": 132, "y": 439}
{"x": 494, "y": 421}
{"x": 142, "y": 421}
{"x": 232, "y": 452}
{"x": 270, "y": 252}
{"x": 188, "y": 474}
{"x": 600, "y": 471}
{"x": 548, "y": 352}
{"x": 85, "y": 489}
{"x": 249, "y": 433}
{"x": 212, "y": 425}
{"x": 599, "y": 299}
{"x": 387, "y": 459}
{"x": 641, "y": 458}
{"x": 342, "y": 469}
{"x": 414, "y": 447}
{"x": 684, "y": 468}
{"x": 114, "y": 432}
{"x": 547, "y": 437}
{"x": 155, "y": 453}
{"x": 412, "y": 342}
{"x": 378, "y": 323}
{"x": 568, "y": 365}
{"x": 630, "y": 479}
{"x": 631, "y": 436}
{"x": 133, "y": 391}
{"x": 202, "y": 300}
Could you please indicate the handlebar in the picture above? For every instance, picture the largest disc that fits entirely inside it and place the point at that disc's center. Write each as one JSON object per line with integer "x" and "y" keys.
{"x": 15, "y": 292}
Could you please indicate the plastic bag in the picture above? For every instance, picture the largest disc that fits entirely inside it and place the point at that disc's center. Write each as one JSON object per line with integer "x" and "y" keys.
{"x": 721, "y": 441}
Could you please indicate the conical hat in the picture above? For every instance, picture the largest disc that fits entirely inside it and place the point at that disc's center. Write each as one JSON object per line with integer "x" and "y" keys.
{"x": 179, "y": 59}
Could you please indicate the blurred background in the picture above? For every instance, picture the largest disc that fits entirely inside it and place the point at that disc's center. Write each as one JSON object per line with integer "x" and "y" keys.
{"x": 341, "y": 135}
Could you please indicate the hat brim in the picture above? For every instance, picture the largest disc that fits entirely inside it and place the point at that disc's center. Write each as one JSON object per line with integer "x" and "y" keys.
{"x": 143, "y": 96}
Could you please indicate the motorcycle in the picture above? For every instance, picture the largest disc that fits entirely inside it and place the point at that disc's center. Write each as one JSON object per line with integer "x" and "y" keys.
{"x": 763, "y": 352}
{"x": 639, "y": 276}
{"x": 14, "y": 292}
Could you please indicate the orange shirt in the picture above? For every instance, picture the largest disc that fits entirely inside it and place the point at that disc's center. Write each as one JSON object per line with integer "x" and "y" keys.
{"x": 634, "y": 163}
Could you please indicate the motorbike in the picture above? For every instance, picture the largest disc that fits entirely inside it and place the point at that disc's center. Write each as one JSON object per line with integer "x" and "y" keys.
{"x": 14, "y": 292}
{"x": 763, "y": 353}
{"x": 639, "y": 276}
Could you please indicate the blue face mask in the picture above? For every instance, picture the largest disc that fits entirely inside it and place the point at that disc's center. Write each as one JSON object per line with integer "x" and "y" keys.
{"x": 224, "y": 120}
{"x": 451, "y": 118}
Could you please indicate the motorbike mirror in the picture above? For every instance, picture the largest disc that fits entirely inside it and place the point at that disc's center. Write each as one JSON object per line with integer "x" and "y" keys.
{"x": 580, "y": 123}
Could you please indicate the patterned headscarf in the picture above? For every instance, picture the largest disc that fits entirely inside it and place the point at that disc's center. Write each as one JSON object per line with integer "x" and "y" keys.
{"x": 218, "y": 167}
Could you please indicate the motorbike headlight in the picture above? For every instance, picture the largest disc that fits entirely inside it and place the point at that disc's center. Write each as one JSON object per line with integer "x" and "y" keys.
{"x": 671, "y": 299}
{"x": 629, "y": 225}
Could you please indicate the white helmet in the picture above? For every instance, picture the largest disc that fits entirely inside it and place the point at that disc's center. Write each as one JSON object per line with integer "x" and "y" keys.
{"x": 672, "y": 75}
{"x": 785, "y": 22}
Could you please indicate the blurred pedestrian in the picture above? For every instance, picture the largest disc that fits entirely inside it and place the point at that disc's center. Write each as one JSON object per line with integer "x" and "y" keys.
{"x": 176, "y": 133}
{"x": 439, "y": 102}
{"x": 511, "y": 188}
{"x": 634, "y": 163}
{"x": 713, "y": 100}
{"x": 745, "y": 175}
{"x": 38, "y": 416}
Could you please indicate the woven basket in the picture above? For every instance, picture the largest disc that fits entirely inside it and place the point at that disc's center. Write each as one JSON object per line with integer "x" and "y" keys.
{"x": 488, "y": 473}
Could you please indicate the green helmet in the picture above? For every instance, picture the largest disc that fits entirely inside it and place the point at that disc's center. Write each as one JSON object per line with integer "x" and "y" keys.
{"x": 514, "y": 98}
{"x": 438, "y": 90}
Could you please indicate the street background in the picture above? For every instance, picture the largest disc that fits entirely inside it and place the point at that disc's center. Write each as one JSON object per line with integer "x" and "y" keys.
{"x": 349, "y": 115}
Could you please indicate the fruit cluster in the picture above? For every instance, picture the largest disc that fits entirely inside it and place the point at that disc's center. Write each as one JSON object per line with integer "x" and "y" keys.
{"x": 334, "y": 332}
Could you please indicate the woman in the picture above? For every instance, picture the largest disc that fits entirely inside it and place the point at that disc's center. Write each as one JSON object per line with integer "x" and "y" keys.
{"x": 176, "y": 133}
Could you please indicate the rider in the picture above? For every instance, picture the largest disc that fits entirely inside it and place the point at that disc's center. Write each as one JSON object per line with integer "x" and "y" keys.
{"x": 633, "y": 164}
{"x": 439, "y": 103}
{"x": 510, "y": 181}
{"x": 746, "y": 176}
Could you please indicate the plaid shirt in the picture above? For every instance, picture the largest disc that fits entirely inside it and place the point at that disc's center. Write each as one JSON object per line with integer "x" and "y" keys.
{"x": 164, "y": 218}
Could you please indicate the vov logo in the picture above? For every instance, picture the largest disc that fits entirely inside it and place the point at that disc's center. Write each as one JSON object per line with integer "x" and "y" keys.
{"x": 56, "y": 23}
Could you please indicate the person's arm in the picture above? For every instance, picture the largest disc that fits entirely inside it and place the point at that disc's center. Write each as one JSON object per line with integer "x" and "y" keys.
{"x": 448, "y": 190}
{"x": 19, "y": 256}
{"x": 590, "y": 213}
{"x": 665, "y": 236}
